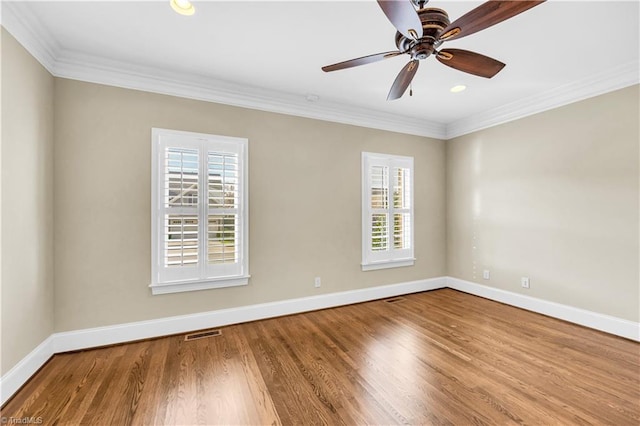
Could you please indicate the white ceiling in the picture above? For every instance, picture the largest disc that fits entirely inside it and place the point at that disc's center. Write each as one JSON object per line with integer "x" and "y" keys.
{"x": 268, "y": 55}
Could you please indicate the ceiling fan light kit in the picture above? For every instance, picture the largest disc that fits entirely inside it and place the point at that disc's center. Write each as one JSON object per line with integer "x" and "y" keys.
{"x": 421, "y": 30}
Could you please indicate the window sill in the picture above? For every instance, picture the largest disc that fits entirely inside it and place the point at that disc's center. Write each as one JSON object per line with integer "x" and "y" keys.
{"x": 182, "y": 286}
{"x": 388, "y": 264}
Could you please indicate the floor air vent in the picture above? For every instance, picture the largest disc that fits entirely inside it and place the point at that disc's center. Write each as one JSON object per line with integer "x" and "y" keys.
{"x": 202, "y": 334}
{"x": 394, "y": 300}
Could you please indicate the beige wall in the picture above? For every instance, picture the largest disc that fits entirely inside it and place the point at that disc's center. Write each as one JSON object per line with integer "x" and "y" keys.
{"x": 553, "y": 197}
{"x": 304, "y": 204}
{"x": 27, "y": 203}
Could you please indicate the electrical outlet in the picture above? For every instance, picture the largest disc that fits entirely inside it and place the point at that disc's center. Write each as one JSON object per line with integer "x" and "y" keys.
{"x": 525, "y": 282}
{"x": 486, "y": 274}
{"x": 317, "y": 283}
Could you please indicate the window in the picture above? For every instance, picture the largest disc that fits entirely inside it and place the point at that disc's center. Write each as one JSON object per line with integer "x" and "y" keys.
{"x": 199, "y": 211}
{"x": 387, "y": 211}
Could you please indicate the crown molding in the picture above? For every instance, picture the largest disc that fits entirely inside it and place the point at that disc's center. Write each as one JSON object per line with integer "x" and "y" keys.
{"x": 25, "y": 27}
{"x": 77, "y": 66}
{"x": 613, "y": 79}
{"x": 21, "y": 23}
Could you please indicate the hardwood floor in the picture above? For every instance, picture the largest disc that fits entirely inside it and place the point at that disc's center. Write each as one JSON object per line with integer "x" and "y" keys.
{"x": 439, "y": 357}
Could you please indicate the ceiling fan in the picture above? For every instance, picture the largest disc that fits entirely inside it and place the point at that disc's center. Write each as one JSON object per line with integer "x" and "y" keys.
{"x": 422, "y": 31}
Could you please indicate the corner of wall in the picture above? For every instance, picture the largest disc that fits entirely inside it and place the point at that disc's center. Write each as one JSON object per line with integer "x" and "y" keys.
{"x": 26, "y": 242}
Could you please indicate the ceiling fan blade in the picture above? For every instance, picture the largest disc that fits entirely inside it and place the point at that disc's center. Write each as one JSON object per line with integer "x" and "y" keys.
{"x": 403, "y": 80}
{"x": 360, "y": 61}
{"x": 403, "y": 16}
{"x": 471, "y": 62}
{"x": 486, "y": 15}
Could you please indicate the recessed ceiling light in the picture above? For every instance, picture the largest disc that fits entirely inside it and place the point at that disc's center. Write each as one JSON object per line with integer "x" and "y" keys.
{"x": 458, "y": 88}
{"x": 183, "y": 7}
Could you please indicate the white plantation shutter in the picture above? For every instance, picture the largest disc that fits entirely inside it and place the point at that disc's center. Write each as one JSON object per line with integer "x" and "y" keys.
{"x": 180, "y": 215}
{"x": 199, "y": 218}
{"x": 402, "y": 206}
{"x": 224, "y": 231}
{"x": 387, "y": 211}
{"x": 378, "y": 189}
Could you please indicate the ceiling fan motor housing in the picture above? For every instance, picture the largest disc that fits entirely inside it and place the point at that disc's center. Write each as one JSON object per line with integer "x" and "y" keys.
{"x": 434, "y": 21}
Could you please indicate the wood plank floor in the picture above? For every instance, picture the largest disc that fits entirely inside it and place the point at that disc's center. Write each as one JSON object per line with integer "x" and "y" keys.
{"x": 439, "y": 357}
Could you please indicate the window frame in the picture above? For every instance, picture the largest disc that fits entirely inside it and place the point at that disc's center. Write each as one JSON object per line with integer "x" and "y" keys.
{"x": 203, "y": 276}
{"x": 391, "y": 257}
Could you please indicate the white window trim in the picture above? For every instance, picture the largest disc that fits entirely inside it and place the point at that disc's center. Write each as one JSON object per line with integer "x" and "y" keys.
{"x": 404, "y": 257}
{"x": 181, "y": 285}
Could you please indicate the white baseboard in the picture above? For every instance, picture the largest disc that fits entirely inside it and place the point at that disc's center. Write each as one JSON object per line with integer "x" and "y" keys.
{"x": 23, "y": 370}
{"x": 121, "y": 333}
{"x": 613, "y": 325}
{"x": 101, "y": 336}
